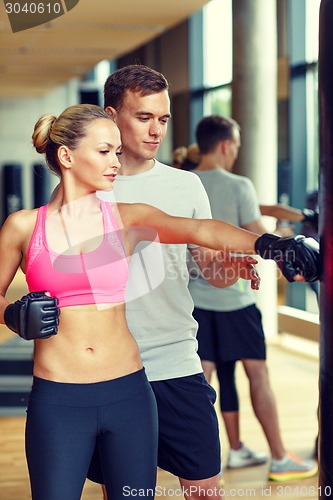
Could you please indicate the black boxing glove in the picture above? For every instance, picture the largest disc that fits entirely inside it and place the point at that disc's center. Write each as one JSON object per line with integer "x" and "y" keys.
{"x": 35, "y": 316}
{"x": 293, "y": 255}
{"x": 311, "y": 216}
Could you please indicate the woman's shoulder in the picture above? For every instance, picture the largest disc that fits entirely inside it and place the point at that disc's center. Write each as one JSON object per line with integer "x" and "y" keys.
{"x": 23, "y": 215}
{"x": 22, "y": 220}
{"x": 18, "y": 228}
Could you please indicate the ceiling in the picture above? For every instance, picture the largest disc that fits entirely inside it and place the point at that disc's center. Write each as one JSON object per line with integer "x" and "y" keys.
{"x": 35, "y": 60}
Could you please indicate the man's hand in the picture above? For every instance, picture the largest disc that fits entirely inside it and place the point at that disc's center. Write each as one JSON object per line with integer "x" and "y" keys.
{"x": 243, "y": 267}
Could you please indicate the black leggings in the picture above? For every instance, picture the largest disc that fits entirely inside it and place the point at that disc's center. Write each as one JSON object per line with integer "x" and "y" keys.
{"x": 228, "y": 390}
{"x": 66, "y": 421}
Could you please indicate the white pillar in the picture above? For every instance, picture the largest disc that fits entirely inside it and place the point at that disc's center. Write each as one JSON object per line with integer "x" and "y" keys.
{"x": 254, "y": 107}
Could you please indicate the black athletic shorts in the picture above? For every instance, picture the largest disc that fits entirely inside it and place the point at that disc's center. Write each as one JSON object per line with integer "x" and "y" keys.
{"x": 230, "y": 336}
{"x": 188, "y": 443}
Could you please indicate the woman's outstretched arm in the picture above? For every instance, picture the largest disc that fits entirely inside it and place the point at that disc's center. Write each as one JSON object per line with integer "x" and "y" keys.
{"x": 298, "y": 258}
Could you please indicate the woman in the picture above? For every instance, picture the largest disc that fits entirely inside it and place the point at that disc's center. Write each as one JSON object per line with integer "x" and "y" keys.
{"x": 89, "y": 384}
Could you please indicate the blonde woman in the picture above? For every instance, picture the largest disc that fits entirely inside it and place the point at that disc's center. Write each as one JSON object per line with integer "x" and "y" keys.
{"x": 89, "y": 386}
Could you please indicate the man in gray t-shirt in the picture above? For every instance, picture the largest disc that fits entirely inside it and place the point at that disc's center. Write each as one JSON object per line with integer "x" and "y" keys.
{"x": 136, "y": 97}
{"x": 230, "y": 326}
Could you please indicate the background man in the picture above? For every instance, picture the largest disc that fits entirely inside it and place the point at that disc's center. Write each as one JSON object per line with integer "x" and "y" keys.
{"x": 230, "y": 327}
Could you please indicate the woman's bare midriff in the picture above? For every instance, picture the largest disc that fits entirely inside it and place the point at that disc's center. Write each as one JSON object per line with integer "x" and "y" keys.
{"x": 93, "y": 344}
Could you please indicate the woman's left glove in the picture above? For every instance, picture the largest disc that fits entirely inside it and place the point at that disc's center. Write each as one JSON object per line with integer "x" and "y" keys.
{"x": 35, "y": 316}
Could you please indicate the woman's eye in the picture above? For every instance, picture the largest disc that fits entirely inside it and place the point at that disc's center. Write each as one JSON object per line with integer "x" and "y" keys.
{"x": 104, "y": 152}
{"x": 119, "y": 153}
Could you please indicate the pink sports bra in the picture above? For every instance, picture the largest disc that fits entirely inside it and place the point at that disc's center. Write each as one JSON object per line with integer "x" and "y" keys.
{"x": 96, "y": 277}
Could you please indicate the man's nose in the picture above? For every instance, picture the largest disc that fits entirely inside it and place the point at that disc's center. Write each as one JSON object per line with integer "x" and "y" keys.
{"x": 155, "y": 128}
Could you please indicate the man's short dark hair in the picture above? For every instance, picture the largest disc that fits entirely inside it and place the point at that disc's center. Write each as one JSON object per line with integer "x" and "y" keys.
{"x": 213, "y": 129}
{"x": 133, "y": 78}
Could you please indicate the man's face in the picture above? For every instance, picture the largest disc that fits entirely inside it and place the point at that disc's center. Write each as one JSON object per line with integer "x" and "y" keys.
{"x": 142, "y": 121}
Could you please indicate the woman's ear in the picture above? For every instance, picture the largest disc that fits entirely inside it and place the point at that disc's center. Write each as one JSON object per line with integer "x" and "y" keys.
{"x": 64, "y": 157}
{"x": 112, "y": 113}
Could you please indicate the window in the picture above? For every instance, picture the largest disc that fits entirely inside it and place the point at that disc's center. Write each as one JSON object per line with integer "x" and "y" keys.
{"x": 217, "y": 29}
{"x": 218, "y": 102}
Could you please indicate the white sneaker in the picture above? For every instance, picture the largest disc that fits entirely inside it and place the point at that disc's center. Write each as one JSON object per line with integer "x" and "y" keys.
{"x": 245, "y": 457}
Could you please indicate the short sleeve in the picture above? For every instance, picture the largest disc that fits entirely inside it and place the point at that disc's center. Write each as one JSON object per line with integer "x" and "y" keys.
{"x": 201, "y": 203}
{"x": 249, "y": 209}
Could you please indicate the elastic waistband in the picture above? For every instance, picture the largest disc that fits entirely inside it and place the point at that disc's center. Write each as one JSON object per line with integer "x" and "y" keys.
{"x": 91, "y": 394}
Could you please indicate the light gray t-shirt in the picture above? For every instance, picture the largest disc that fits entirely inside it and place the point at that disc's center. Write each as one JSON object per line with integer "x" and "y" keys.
{"x": 232, "y": 199}
{"x": 160, "y": 318}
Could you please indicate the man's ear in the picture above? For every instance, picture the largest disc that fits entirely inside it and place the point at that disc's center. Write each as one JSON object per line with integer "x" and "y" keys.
{"x": 112, "y": 113}
{"x": 64, "y": 157}
{"x": 224, "y": 145}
